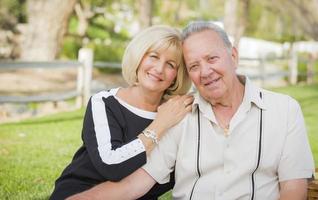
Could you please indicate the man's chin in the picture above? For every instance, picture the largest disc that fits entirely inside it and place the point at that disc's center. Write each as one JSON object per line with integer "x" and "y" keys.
{"x": 211, "y": 96}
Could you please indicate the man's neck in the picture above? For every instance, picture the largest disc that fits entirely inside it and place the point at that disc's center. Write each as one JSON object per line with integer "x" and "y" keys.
{"x": 225, "y": 108}
{"x": 232, "y": 99}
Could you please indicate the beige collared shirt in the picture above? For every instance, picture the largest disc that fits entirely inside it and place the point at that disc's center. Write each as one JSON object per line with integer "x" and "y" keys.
{"x": 210, "y": 165}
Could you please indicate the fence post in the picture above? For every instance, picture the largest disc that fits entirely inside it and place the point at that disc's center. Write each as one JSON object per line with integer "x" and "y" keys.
{"x": 293, "y": 67}
{"x": 79, "y": 86}
{"x": 310, "y": 68}
{"x": 85, "y": 56}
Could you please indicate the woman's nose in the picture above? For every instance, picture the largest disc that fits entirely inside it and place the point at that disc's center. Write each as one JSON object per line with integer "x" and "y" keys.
{"x": 160, "y": 66}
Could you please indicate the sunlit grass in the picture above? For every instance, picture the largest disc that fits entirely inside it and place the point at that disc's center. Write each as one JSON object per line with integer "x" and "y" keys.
{"x": 34, "y": 152}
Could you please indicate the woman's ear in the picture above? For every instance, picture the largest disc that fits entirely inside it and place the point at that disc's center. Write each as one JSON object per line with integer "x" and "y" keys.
{"x": 136, "y": 77}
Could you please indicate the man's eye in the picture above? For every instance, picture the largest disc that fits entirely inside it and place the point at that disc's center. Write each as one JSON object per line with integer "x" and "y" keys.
{"x": 213, "y": 58}
{"x": 193, "y": 67}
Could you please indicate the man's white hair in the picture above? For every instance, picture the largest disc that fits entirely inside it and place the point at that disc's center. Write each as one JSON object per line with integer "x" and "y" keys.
{"x": 199, "y": 26}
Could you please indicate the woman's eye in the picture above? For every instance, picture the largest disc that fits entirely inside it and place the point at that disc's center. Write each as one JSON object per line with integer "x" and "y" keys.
{"x": 171, "y": 65}
{"x": 153, "y": 56}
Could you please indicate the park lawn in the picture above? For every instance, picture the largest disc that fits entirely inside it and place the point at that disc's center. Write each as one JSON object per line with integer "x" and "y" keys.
{"x": 34, "y": 152}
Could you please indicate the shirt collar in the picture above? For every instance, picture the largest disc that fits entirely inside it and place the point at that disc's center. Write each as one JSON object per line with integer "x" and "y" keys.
{"x": 203, "y": 105}
{"x": 251, "y": 95}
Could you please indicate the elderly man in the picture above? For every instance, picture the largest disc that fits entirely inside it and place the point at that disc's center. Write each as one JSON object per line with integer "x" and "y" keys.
{"x": 239, "y": 142}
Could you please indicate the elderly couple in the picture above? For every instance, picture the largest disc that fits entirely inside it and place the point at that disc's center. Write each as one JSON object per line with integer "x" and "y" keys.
{"x": 230, "y": 140}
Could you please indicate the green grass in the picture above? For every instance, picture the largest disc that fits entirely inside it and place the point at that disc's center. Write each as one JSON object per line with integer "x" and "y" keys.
{"x": 34, "y": 152}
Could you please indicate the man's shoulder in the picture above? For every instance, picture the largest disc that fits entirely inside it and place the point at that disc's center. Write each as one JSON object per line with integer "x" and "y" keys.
{"x": 273, "y": 95}
{"x": 272, "y": 98}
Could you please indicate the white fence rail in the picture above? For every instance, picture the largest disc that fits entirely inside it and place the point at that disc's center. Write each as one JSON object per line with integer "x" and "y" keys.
{"x": 254, "y": 68}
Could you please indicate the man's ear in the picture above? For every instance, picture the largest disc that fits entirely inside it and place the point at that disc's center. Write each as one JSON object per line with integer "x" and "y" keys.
{"x": 235, "y": 56}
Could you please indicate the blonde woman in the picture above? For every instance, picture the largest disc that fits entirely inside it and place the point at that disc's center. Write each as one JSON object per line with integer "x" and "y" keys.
{"x": 122, "y": 125}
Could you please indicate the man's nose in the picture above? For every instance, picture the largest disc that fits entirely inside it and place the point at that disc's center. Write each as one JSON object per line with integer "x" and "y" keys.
{"x": 206, "y": 70}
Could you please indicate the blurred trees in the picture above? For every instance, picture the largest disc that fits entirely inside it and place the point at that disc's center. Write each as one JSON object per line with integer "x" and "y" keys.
{"x": 43, "y": 34}
{"x": 283, "y": 20}
{"x": 107, "y": 25}
{"x": 303, "y": 13}
{"x": 101, "y": 25}
{"x": 12, "y": 13}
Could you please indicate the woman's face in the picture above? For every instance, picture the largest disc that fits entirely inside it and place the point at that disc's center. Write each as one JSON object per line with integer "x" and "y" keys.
{"x": 157, "y": 70}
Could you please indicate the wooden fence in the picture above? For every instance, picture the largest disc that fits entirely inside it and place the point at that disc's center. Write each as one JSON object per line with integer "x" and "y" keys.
{"x": 84, "y": 75}
{"x": 85, "y": 65}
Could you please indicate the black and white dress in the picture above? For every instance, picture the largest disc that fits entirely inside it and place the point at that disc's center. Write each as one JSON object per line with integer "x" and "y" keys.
{"x": 111, "y": 149}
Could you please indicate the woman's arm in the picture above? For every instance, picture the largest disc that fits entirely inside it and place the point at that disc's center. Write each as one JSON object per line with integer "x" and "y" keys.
{"x": 101, "y": 131}
{"x": 131, "y": 187}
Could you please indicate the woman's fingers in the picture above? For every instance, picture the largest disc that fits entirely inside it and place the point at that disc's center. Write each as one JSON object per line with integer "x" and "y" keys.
{"x": 177, "y": 105}
{"x": 173, "y": 111}
{"x": 186, "y": 100}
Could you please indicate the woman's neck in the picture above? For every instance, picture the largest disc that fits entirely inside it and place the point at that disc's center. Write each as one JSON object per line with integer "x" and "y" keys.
{"x": 140, "y": 98}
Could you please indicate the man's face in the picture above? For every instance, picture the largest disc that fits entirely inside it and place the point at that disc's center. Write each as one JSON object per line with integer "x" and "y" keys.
{"x": 211, "y": 66}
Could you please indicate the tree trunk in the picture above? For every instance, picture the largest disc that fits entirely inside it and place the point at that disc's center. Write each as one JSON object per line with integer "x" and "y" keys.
{"x": 230, "y": 22}
{"x": 236, "y": 18}
{"x": 145, "y": 13}
{"x": 47, "y": 23}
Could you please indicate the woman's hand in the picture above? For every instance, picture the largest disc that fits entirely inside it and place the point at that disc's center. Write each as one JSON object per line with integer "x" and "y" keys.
{"x": 171, "y": 112}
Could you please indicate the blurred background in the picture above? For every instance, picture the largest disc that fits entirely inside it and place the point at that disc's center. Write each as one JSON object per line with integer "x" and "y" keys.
{"x": 276, "y": 41}
{"x": 50, "y": 29}
{"x": 55, "y": 53}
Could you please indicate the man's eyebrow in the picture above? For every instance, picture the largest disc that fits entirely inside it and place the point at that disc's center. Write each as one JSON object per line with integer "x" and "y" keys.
{"x": 193, "y": 62}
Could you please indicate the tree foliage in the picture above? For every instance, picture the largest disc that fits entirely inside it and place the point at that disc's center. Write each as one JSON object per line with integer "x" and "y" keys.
{"x": 107, "y": 25}
{"x": 12, "y": 12}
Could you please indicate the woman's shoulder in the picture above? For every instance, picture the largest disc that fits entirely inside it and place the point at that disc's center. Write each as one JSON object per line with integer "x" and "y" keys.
{"x": 104, "y": 98}
{"x": 105, "y": 93}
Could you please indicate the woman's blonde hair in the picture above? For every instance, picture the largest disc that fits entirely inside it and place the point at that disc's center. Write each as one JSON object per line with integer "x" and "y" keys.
{"x": 156, "y": 38}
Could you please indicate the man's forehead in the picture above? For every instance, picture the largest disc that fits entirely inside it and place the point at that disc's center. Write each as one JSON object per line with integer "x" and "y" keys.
{"x": 204, "y": 38}
{"x": 201, "y": 46}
